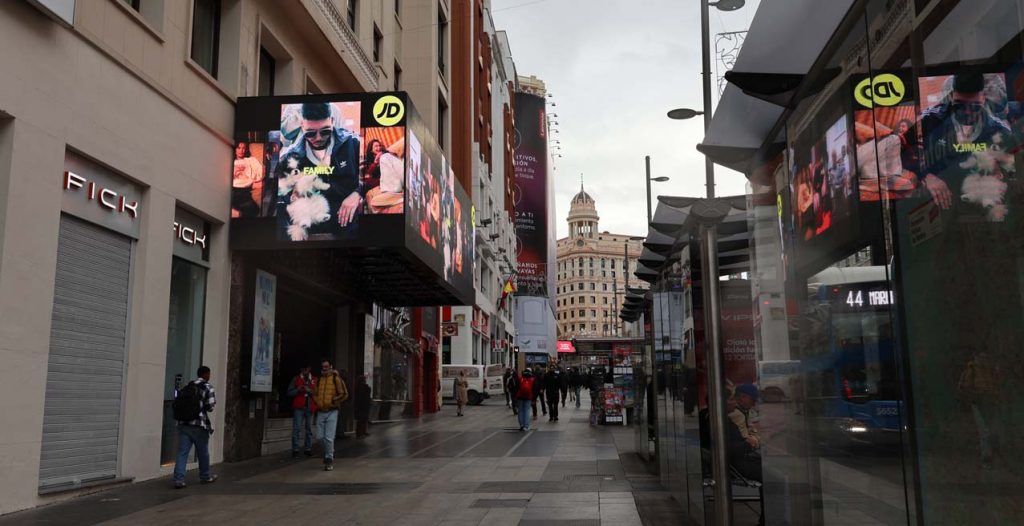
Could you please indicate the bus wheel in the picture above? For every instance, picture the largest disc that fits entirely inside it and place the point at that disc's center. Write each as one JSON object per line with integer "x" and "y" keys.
{"x": 475, "y": 398}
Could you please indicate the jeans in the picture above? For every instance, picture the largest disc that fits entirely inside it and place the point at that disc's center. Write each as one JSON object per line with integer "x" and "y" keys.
{"x": 326, "y": 428}
{"x": 302, "y": 418}
{"x": 524, "y": 413}
{"x": 187, "y": 436}
{"x": 576, "y": 390}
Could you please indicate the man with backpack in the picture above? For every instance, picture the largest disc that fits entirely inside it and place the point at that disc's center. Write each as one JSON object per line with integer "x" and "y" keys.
{"x": 301, "y": 390}
{"x": 524, "y": 398}
{"x": 330, "y": 394}
{"x": 192, "y": 406}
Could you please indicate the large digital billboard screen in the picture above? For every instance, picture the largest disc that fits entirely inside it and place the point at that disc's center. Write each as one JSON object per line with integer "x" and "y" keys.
{"x": 327, "y": 168}
{"x": 348, "y": 171}
{"x": 531, "y": 196}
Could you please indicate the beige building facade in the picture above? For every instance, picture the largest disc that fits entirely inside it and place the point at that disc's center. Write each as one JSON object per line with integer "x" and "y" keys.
{"x": 116, "y": 120}
{"x": 593, "y": 270}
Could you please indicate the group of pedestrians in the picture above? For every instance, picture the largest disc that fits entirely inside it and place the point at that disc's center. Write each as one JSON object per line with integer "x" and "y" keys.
{"x": 544, "y": 386}
{"x": 320, "y": 399}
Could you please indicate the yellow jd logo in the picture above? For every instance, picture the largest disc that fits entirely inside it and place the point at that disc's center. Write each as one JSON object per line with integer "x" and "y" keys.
{"x": 885, "y": 90}
{"x": 388, "y": 110}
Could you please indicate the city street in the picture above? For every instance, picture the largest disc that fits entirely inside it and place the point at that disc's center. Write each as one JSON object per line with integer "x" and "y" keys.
{"x": 478, "y": 469}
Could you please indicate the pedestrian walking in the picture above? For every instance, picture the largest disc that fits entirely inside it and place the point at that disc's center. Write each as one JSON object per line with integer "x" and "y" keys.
{"x": 525, "y": 396}
{"x": 511, "y": 387}
{"x": 538, "y": 392}
{"x": 509, "y": 395}
{"x": 301, "y": 391}
{"x": 552, "y": 387}
{"x": 576, "y": 384}
{"x": 192, "y": 407}
{"x": 461, "y": 391}
{"x": 363, "y": 396}
{"x": 563, "y": 384}
{"x": 330, "y": 394}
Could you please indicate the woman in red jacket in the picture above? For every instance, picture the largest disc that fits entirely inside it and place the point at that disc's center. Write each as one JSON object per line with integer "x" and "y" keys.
{"x": 301, "y": 390}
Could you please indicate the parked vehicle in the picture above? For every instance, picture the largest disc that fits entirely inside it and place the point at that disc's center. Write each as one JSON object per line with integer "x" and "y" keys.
{"x": 479, "y": 378}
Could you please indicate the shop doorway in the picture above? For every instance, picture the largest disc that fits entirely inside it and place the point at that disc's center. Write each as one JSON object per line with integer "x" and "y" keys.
{"x": 305, "y": 334}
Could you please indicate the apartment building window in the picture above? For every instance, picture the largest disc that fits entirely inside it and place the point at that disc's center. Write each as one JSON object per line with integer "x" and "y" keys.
{"x": 583, "y": 313}
{"x": 265, "y": 81}
{"x": 593, "y": 299}
{"x": 593, "y": 313}
{"x": 134, "y": 4}
{"x": 353, "y": 6}
{"x": 398, "y": 76}
{"x": 605, "y": 300}
{"x": 442, "y": 30}
{"x": 398, "y": 8}
{"x": 442, "y": 114}
{"x": 593, "y": 326}
{"x": 604, "y": 286}
{"x": 206, "y": 34}
{"x": 378, "y": 41}
{"x": 593, "y": 286}
{"x": 572, "y": 301}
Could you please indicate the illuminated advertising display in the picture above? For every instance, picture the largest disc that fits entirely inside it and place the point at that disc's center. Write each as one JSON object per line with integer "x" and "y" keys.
{"x": 356, "y": 171}
{"x": 531, "y": 196}
{"x": 565, "y": 346}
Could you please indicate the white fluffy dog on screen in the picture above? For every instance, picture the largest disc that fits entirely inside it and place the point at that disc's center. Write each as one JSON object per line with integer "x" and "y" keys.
{"x": 307, "y": 207}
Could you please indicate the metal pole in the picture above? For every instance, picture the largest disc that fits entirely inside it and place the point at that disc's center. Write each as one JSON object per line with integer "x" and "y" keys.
{"x": 647, "y": 160}
{"x": 705, "y": 46}
{"x": 716, "y": 395}
{"x": 709, "y": 255}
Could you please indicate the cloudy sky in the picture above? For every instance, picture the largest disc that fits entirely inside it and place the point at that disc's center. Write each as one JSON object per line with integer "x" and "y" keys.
{"x": 615, "y": 67}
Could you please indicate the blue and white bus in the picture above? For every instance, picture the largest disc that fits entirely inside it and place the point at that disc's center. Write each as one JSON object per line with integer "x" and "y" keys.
{"x": 851, "y": 374}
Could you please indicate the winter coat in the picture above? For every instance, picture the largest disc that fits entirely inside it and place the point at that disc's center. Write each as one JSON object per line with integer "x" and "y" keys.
{"x": 330, "y": 391}
{"x": 553, "y": 383}
{"x": 300, "y": 399}
{"x": 461, "y": 390}
{"x": 526, "y": 390}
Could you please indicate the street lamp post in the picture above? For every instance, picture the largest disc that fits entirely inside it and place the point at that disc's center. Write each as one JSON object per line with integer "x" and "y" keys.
{"x": 647, "y": 161}
{"x": 709, "y": 259}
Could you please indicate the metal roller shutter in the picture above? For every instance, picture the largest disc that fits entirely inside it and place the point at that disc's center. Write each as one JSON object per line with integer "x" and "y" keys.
{"x": 82, "y": 415}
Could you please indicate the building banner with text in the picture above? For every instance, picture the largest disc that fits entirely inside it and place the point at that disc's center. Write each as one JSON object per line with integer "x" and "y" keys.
{"x": 530, "y": 195}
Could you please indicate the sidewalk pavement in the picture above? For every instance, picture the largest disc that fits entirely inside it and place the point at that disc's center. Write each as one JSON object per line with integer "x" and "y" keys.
{"x": 439, "y": 470}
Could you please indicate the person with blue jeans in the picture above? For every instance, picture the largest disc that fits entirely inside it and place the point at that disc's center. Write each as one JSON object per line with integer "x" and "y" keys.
{"x": 330, "y": 393}
{"x": 301, "y": 390}
{"x": 524, "y": 398}
{"x": 196, "y": 431}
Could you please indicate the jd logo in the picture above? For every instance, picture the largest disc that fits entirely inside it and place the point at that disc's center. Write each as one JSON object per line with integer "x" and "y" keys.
{"x": 388, "y": 110}
{"x": 885, "y": 90}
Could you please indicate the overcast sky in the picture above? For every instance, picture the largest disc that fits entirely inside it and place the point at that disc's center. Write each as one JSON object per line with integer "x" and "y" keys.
{"x": 615, "y": 67}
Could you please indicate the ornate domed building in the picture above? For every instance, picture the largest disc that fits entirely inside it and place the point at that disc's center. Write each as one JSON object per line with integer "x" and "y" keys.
{"x": 591, "y": 277}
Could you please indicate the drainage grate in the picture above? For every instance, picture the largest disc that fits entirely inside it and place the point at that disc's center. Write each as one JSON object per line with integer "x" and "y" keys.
{"x": 569, "y": 522}
{"x": 587, "y": 476}
{"x": 500, "y": 503}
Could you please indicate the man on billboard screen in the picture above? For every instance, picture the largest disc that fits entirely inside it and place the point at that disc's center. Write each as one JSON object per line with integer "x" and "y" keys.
{"x": 319, "y": 190}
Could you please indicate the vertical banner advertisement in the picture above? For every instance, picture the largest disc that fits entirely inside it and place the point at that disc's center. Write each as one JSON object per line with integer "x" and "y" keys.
{"x": 262, "y": 374}
{"x": 530, "y": 195}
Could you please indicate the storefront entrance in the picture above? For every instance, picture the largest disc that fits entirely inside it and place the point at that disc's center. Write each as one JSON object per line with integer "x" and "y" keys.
{"x": 305, "y": 333}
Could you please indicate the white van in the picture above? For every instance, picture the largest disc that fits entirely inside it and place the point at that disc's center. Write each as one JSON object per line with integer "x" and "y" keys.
{"x": 484, "y": 381}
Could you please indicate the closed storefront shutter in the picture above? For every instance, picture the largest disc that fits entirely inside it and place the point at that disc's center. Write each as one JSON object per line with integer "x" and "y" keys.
{"x": 85, "y": 373}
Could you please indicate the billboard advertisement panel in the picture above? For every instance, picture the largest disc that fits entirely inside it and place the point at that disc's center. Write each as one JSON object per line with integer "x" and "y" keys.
{"x": 326, "y": 167}
{"x": 357, "y": 171}
{"x": 531, "y": 196}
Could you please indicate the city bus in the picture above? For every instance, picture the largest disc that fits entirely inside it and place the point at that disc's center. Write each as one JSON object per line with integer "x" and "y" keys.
{"x": 852, "y": 391}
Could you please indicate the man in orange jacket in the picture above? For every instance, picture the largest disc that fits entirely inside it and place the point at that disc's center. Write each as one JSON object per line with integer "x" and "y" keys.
{"x": 330, "y": 393}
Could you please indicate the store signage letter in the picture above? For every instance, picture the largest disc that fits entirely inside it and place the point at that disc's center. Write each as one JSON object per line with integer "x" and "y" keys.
{"x": 106, "y": 197}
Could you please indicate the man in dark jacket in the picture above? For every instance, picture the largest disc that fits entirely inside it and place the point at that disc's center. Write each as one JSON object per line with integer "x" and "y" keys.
{"x": 331, "y": 153}
{"x": 563, "y": 385}
{"x": 553, "y": 381}
{"x": 538, "y": 391}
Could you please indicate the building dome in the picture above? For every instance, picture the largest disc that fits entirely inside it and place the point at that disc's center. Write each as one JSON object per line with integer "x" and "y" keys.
{"x": 583, "y": 216}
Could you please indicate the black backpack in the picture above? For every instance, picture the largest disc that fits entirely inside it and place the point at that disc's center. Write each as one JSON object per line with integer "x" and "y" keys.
{"x": 188, "y": 403}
